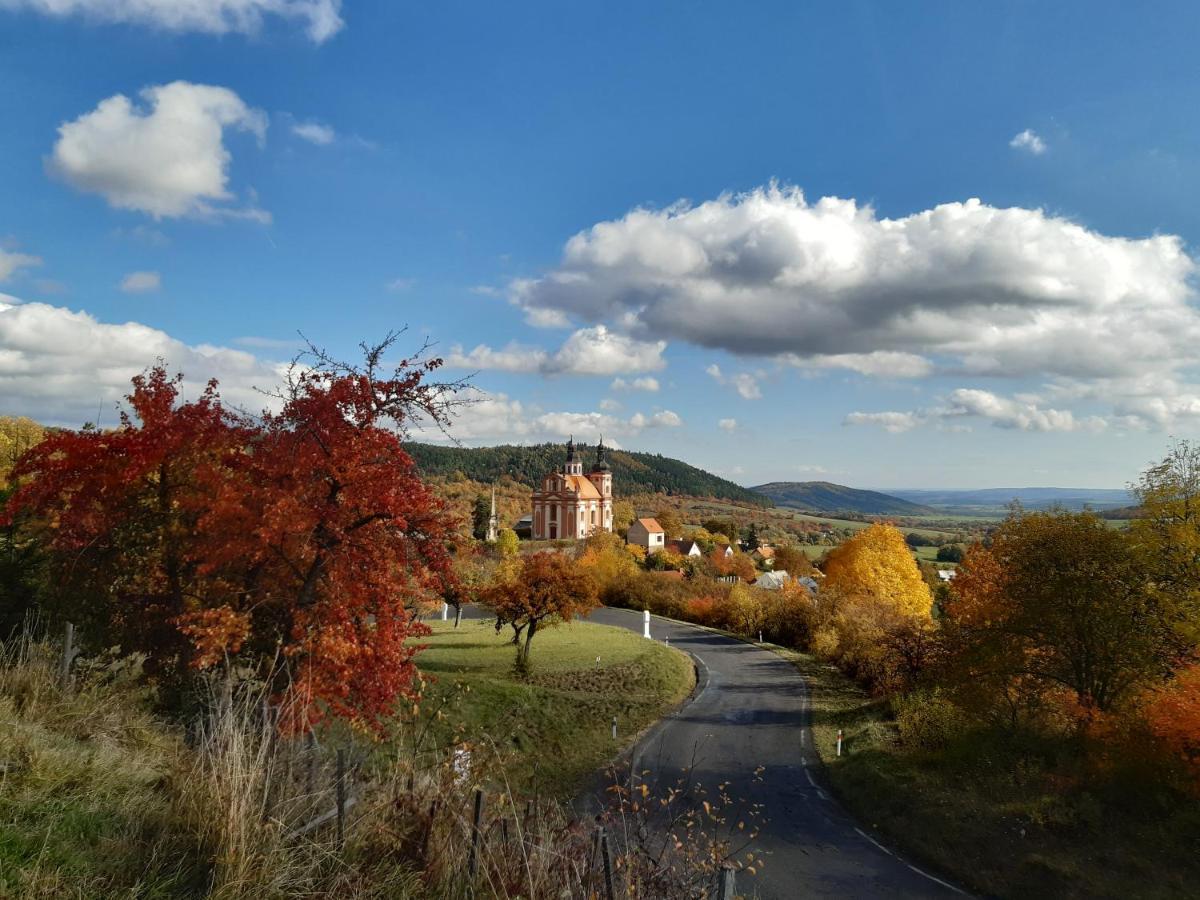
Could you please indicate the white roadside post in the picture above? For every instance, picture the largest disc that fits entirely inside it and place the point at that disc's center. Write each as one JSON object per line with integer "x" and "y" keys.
{"x": 445, "y": 610}
{"x": 645, "y": 623}
{"x": 839, "y": 749}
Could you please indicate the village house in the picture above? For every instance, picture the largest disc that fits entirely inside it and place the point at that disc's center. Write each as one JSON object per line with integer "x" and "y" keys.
{"x": 685, "y": 547}
{"x": 648, "y": 534}
{"x": 764, "y": 555}
{"x": 571, "y": 505}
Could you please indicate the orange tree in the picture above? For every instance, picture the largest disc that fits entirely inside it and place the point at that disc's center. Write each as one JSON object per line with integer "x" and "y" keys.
{"x": 1064, "y": 601}
{"x": 547, "y": 588}
{"x": 194, "y": 535}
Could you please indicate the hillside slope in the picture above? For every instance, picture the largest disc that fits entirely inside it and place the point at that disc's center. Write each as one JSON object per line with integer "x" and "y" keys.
{"x": 633, "y": 473}
{"x": 822, "y": 496}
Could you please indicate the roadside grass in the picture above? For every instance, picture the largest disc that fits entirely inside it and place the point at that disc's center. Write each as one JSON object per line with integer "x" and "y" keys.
{"x": 83, "y": 810}
{"x": 1004, "y": 818}
{"x": 554, "y": 728}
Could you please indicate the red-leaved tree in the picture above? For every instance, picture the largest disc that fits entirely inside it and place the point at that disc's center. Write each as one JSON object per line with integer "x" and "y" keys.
{"x": 299, "y": 544}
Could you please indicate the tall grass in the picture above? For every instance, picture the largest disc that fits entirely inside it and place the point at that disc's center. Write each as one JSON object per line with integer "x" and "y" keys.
{"x": 98, "y": 797}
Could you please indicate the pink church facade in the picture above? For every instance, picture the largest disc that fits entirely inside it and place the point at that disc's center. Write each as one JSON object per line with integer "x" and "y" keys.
{"x": 571, "y": 505}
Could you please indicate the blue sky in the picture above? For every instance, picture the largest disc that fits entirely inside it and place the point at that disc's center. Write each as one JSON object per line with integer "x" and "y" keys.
{"x": 564, "y": 195}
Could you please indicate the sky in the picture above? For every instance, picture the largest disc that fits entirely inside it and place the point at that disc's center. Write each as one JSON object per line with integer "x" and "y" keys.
{"x": 887, "y": 245}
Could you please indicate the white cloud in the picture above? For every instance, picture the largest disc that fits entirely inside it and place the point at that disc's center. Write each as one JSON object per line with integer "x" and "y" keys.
{"x": 321, "y": 19}
{"x": 141, "y": 282}
{"x": 60, "y": 366}
{"x": 1029, "y": 141}
{"x": 609, "y": 405}
{"x": 960, "y": 289}
{"x": 893, "y": 422}
{"x": 646, "y": 383}
{"x": 1020, "y": 413}
{"x": 743, "y": 382}
{"x": 166, "y": 158}
{"x": 10, "y": 262}
{"x": 498, "y": 417}
{"x": 400, "y": 285}
{"x": 588, "y": 351}
{"x": 314, "y": 133}
{"x": 878, "y": 364}
{"x": 729, "y": 425}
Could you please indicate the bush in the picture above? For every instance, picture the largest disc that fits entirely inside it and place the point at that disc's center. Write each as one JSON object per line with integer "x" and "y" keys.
{"x": 928, "y": 720}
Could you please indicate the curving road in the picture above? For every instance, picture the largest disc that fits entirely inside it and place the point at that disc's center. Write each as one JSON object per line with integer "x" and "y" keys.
{"x": 752, "y": 711}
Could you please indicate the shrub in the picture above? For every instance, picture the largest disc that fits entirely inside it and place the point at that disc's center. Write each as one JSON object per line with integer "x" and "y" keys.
{"x": 927, "y": 719}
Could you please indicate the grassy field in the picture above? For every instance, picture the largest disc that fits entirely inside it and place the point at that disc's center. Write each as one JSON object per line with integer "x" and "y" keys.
{"x": 1000, "y": 820}
{"x": 557, "y": 724}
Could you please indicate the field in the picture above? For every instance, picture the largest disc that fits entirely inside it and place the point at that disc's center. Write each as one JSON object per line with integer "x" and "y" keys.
{"x": 999, "y": 818}
{"x": 556, "y": 725}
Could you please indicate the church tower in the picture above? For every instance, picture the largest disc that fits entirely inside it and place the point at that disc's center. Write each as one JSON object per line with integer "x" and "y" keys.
{"x": 574, "y": 465}
{"x": 601, "y": 476}
{"x": 493, "y": 530}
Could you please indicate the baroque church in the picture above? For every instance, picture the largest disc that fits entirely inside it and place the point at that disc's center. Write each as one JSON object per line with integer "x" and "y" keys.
{"x": 571, "y": 504}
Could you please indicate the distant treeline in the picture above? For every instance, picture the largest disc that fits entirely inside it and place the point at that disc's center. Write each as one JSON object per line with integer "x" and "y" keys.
{"x": 633, "y": 473}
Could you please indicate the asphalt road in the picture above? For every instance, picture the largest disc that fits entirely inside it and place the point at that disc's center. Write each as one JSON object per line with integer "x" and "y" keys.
{"x": 751, "y": 712}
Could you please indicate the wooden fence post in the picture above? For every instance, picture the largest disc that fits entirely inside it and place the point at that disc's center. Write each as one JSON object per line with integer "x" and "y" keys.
{"x": 726, "y": 888}
{"x": 68, "y": 656}
{"x": 610, "y": 892}
{"x": 473, "y": 859}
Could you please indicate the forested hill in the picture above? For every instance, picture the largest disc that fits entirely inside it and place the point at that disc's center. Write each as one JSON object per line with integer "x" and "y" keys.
{"x": 633, "y": 473}
{"x": 822, "y": 496}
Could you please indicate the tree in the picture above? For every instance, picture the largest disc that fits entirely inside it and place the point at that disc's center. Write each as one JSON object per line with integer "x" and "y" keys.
{"x": 752, "y": 540}
{"x": 950, "y": 553}
{"x": 1062, "y": 599}
{"x": 17, "y": 434}
{"x": 547, "y": 589}
{"x": 194, "y": 535}
{"x": 727, "y": 527}
{"x": 671, "y": 524}
{"x": 792, "y": 560}
{"x": 1167, "y": 533}
{"x": 481, "y": 517}
{"x": 876, "y": 563}
{"x": 623, "y": 515}
{"x": 507, "y": 543}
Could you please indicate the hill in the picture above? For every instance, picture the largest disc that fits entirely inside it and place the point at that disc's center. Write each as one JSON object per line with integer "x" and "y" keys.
{"x": 822, "y": 496}
{"x": 996, "y": 499}
{"x": 633, "y": 473}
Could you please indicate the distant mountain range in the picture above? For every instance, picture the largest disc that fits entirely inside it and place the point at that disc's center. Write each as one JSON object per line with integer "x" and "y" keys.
{"x": 633, "y": 473}
{"x": 996, "y": 499}
{"x": 824, "y": 497}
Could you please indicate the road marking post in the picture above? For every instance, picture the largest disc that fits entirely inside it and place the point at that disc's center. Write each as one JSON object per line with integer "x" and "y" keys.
{"x": 645, "y": 623}
{"x": 614, "y": 728}
{"x": 839, "y": 746}
{"x": 445, "y": 611}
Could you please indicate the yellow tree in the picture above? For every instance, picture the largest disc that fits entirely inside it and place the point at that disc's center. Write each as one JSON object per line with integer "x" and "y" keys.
{"x": 1167, "y": 533}
{"x": 876, "y": 563}
{"x": 17, "y": 434}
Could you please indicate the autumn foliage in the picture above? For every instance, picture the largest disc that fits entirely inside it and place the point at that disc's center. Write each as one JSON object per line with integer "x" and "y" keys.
{"x": 877, "y": 564}
{"x": 298, "y": 544}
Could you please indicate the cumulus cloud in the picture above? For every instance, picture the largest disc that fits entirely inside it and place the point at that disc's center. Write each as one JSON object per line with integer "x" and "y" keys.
{"x": 646, "y": 383}
{"x": 10, "y": 262}
{"x": 1028, "y": 141}
{"x": 588, "y": 351}
{"x": 60, "y": 366}
{"x": 498, "y": 417}
{"x": 321, "y": 19}
{"x": 314, "y": 133}
{"x": 962, "y": 289}
{"x": 1021, "y": 413}
{"x": 141, "y": 282}
{"x": 729, "y": 425}
{"x": 165, "y": 157}
{"x": 743, "y": 382}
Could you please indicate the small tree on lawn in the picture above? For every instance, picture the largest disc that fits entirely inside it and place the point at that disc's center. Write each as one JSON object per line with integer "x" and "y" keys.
{"x": 546, "y": 589}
